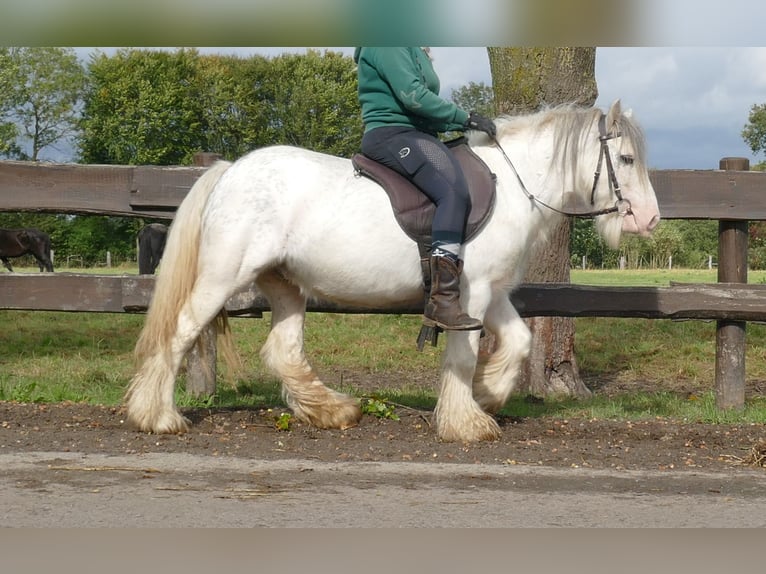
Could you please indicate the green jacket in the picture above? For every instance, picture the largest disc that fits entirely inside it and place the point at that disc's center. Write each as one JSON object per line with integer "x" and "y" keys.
{"x": 399, "y": 87}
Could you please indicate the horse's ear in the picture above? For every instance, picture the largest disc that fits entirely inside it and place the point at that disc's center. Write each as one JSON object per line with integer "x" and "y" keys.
{"x": 613, "y": 115}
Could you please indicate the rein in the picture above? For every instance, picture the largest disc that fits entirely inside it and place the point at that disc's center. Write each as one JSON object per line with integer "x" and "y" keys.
{"x": 621, "y": 206}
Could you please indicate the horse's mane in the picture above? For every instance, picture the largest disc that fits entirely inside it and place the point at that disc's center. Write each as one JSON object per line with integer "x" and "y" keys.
{"x": 571, "y": 124}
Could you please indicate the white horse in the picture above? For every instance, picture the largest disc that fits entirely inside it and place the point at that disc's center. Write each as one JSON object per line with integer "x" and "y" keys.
{"x": 300, "y": 224}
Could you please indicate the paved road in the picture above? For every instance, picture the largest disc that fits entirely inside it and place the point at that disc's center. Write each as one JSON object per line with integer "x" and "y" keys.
{"x": 78, "y": 490}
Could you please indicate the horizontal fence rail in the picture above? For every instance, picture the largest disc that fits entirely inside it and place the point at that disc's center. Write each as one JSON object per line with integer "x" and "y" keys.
{"x": 132, "y": 293}
{"x": 152, "y": 191}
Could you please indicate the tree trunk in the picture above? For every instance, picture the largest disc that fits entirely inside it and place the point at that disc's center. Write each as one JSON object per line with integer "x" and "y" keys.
{"x": 524, "y": 80}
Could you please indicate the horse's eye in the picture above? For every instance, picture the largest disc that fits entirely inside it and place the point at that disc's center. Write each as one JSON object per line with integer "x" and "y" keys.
{"x": 626, "y": 159}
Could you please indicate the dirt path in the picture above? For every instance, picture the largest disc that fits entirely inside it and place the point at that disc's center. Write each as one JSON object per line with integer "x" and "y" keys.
{"x": 79, "y": 465}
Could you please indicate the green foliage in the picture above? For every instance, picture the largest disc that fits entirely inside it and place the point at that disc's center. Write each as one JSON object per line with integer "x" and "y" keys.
{"x": 160, "y": 108}
{"x": 41, "y": 90}
{"x": 756, "y": 252}
{"x": 86, "y": 239}
{"x": 90, "y": 237}
{"x": 283, "y": 421}
{"x": 379, "y": 408}
{"x": 754, "y": 132}
{"x": 10, "y": 99}
{"x": 8, "y": 146}
{"x": 308, "y": 101}
{"x": 475, "y": 97}
{"x": 230, "y": 116}
{"x": 699, "y": 240}
{"x": 143, "y": 107}
{"x": 586, "y": 242}
{"x": 689, "y": 243}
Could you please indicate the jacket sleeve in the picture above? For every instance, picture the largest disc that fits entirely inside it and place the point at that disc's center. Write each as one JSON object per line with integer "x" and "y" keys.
{"x": 401, "y": 72}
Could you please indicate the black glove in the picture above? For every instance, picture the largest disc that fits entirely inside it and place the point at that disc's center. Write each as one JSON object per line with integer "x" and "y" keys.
{"x": 479, "y": 122}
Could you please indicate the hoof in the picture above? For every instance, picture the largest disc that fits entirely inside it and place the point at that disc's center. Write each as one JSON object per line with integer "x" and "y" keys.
{"x": 171, "y": 423}
{"x": 484, "y": 428}
{"x": 344, "y": 413}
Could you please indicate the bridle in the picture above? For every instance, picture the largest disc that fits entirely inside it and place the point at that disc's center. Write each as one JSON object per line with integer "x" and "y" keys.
{"x": 621, "y": 206}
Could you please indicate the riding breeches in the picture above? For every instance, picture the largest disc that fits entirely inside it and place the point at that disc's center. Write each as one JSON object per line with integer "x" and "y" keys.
{"x": 426, "y": 161}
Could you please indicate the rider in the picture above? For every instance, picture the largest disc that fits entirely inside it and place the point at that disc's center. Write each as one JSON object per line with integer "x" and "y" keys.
{"x": 402, "y": 114}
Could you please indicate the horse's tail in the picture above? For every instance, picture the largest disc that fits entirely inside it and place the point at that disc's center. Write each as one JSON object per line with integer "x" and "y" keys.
{"x": 174, "y": 284}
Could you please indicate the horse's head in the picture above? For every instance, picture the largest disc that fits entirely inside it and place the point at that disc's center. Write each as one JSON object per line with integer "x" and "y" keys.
{"x": 622, "y": 178}
{"x": 585, "y": 141}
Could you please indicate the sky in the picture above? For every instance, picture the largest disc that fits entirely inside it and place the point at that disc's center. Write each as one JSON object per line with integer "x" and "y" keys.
{"x": 692, "y": 102}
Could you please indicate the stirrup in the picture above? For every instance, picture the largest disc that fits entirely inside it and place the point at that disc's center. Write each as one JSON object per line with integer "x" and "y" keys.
{"x": 428, "y": 332}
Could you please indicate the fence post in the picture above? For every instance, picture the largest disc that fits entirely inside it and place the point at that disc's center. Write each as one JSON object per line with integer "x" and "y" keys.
{"x": 730, "y": 335}
{"x": 201, "y": 359}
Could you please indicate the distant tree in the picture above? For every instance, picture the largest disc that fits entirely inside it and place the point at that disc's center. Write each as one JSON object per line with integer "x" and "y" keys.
{"x": 231, "y": 120}
{"x": 143, "y": 107}
{"x": 9, "y": 78}
{"x": 756, "y": 250}
{"x": 158, "y": 107}
{"x": 8, "y": 146}
{"x": 41, "y": 91}
{"x": 476, "y": 98}
{"x": 754, "y": 132}
{"x": 89, "y": 237}
{"x": 586, "y": 242}
{"x": 309, "y": 101}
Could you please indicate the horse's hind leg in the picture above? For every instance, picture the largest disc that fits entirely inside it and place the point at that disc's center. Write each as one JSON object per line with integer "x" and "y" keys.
{"x": 150, "y": 399}
{"x": 44, "y": 264}
{"x": 497, "y": 374}
{"x": 7, "y": 264}
{"x": 309, "y": 399}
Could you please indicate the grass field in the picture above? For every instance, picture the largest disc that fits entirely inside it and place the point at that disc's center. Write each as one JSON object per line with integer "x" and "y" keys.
{"x": 653, "y": 277}
{"x": 638, "y": 367}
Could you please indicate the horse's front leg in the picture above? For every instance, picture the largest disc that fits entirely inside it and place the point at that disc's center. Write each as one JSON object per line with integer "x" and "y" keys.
{"x": 497, "y": 373}
{"x": 7, "y": 264}
{"x": 459, "y": 418}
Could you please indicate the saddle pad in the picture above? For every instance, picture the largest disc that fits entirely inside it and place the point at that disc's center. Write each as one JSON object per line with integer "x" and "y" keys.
{"x": 414, "y": 211}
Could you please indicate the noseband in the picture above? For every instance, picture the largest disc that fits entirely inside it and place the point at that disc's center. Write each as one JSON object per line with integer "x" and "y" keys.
{"x": 621, "y": 205}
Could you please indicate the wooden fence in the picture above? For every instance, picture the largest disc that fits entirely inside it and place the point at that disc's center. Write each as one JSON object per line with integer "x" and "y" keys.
{"x": 731, "y": 194}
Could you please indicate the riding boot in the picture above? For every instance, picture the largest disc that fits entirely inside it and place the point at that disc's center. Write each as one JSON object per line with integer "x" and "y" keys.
{"x": 443, "y": 306}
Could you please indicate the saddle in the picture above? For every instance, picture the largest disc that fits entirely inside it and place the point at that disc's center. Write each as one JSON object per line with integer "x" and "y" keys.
{"x": 414, "y": 211}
